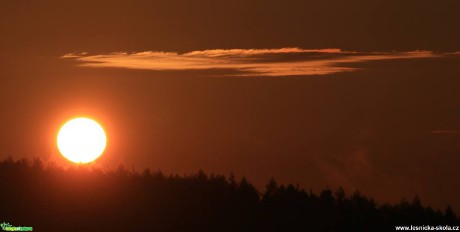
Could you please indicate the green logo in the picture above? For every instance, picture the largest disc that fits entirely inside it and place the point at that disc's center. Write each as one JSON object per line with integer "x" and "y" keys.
{"x": 8, "y": 227}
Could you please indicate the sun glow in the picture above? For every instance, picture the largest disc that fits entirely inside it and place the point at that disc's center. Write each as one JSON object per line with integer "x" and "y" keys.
{"x": 81, "y": 140}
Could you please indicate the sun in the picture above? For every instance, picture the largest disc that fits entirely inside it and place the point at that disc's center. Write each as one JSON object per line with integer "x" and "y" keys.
{"x": 81, "y": 140}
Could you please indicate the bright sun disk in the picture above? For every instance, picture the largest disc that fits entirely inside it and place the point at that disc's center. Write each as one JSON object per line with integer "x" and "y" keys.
{"x": 81, "y": 140}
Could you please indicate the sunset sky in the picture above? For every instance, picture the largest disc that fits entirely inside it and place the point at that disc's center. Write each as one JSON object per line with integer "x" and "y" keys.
{"x": 360, "y": 94}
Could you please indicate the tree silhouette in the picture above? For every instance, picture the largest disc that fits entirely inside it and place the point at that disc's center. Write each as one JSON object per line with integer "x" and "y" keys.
{"x": 50, "y": 198}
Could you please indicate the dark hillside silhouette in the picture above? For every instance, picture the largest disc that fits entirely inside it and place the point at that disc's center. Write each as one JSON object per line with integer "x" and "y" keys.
{"x": 51, "y": 198}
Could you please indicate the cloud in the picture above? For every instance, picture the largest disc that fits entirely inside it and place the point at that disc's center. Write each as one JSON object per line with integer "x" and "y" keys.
{"x": 74, "y": 55}
{"x": 245, "y": 62}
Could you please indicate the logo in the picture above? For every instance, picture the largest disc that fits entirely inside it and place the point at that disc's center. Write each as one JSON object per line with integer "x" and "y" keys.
{"x": 8, "y": 227}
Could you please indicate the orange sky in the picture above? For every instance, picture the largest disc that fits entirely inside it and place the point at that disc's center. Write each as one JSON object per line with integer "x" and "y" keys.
{"x": 362, "y": 94}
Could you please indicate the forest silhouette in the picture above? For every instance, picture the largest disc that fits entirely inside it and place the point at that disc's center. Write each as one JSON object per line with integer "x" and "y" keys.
{"x": 78, "y": 198}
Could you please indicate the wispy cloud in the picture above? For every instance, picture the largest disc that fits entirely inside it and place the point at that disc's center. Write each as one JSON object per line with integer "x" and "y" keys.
{"x": 245, "y": 62}
{"x": 74, "y": 55}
